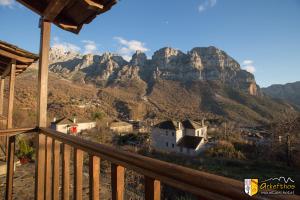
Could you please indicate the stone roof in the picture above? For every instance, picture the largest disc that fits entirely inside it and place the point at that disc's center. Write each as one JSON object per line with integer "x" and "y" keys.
{"x": 169, "y": 124}
{"x": 119, "y": 124}
{"x": 70, "y": 120}
{"x": 189, "y": 124}
{"x": 190, "y": 142}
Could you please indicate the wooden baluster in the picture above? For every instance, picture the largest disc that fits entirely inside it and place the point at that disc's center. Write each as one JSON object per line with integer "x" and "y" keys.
{"x": 94, "y": 177}
{"x": 55, "y": 169}
{"x": 152, "y": 189}
{"x": 40, "y": 166}
{"x": 66, "y": 172}
{"x": 78, "y": 165}
{"x": 10, "y": 168}
{"x": 48, "y": 189}
{"x": 117, "y": 182}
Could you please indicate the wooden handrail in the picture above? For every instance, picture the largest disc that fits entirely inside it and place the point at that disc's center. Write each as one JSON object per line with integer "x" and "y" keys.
{"x": 16, "y": 131}
{"x": 202, "y": 184}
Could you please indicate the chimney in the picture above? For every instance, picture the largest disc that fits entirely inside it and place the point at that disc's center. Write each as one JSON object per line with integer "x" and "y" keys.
{"x": 74, "y": 120}
{"x": 54, "y": 119}
{"x": 179, "y": 125}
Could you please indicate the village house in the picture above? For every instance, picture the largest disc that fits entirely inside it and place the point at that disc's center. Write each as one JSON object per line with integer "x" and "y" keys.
{"x": 71, "y": 125}
{"x": 186, "y": 137}
{"x": 121, "y": 127}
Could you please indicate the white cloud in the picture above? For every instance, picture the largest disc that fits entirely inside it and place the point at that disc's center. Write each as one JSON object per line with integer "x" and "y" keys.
{"x": 248, "y": 66}
{"x": 206, "y": 4}
{"x": 128, "y": 47}
{"x": 90, "y": 47}
{"x": 8, "y": 3}
{"x": 64, "y": 46}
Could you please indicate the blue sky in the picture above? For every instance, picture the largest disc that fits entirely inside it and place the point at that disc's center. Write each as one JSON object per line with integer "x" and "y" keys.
{"x": 262, "y": 35}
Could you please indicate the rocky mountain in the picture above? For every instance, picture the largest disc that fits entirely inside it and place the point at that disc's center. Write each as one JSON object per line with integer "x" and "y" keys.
{"x": 204, "y": 82}
{"x": 199, "y": 64}
{"x": 289, "y": 92}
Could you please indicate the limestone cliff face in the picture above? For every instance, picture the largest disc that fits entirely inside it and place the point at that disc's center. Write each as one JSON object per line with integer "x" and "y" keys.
{"x": 199, "y": 64}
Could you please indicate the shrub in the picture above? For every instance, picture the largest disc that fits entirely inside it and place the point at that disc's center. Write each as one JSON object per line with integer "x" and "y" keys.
{"x": 25, "y": 150}
{"x": 224, "y": 149}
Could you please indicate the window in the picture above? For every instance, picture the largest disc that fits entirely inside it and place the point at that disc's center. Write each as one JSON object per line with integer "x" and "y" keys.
{"x": 166, "y": 133}
{"x": 173, "y": 146}
{"x": 181, "y": 149}
{"x": 167, "y": 144}
{"x": 173, "y": 133}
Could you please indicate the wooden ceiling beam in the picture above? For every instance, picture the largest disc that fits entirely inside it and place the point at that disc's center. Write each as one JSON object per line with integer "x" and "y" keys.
{"x": 16, "y": 57}
{"x": 93, "y": 4}
{"x": 54, "y": 8}
{"x": 68, "y": 26}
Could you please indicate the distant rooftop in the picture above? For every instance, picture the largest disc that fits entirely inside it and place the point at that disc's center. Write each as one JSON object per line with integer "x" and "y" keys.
{"x": 169, "y": 124}
{"x": 190, "y": 142}
{"x": 66, "y": 120}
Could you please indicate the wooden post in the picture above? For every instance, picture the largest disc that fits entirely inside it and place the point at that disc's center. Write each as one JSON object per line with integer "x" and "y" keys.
{"x": 94, "y": 177}
{"x": 11, "y": 94}
{"x": 10, "y": 168}
{"x": 42, "y": 109}
{"x": 1, "y": 95}
{"x": 152, "y": 189}
{"x": 117, "y": 182}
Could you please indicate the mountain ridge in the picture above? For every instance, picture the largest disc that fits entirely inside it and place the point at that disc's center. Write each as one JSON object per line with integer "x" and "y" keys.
{"x": 201, "y": 63}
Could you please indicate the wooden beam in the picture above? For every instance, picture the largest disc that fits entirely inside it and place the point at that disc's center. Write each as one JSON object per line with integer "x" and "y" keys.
{"x": 117, "y": 182}
{"x": 94, "y": 177}
{"x": 68, "y": 26}
{"x": 43, "y": 73}
{"x": 10, "y": 168}
{"x": 9, "y": 122}
{"x": 54, "y": 8}
{"x": 16, "y": 57}
{"x": 2, "y": 82}
{"x": 6, "y": 72}
{"x": 42, "y": 109}
{"x": 94, "y": 5}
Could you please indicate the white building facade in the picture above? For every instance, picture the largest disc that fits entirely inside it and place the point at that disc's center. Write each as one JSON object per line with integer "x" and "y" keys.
{"x": 185, "y": 137}
{"x": 71, "y": 126}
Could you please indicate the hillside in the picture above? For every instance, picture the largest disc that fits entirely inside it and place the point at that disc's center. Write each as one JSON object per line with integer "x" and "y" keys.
{"x": 289, "y": 92}
{"x": 204, "y": 82}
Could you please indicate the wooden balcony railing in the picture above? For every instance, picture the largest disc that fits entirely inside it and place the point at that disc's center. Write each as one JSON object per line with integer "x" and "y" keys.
{"x": 203, "y": 185}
